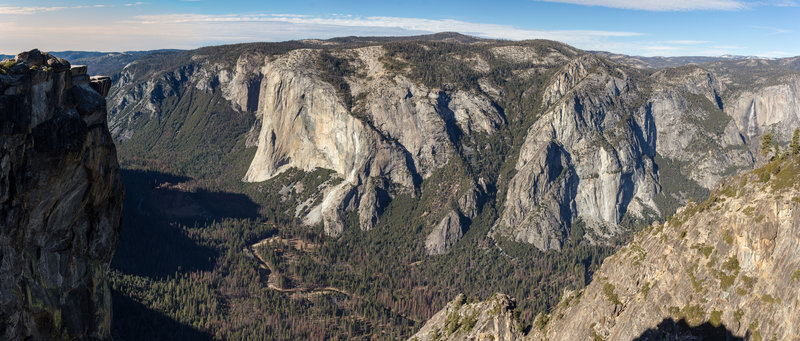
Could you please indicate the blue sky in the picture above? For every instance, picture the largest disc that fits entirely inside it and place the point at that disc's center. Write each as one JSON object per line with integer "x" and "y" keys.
{"x": 650, "y": 28}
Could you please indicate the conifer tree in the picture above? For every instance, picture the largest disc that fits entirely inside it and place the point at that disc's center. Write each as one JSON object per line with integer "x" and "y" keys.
{"x": 794, "y": 147}
{"x": 766, "y": 144}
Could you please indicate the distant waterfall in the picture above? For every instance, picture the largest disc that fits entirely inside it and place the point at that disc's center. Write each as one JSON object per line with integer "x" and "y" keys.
{"x": 752, "y": 126}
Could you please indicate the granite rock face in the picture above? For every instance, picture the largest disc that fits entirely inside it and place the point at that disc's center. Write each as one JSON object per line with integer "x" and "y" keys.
{"x": 38, "y": 59}
{"x": 487, "y": 320}
{"x": 588, "y": 157}
{"x": 444, "y": 235}
{"x": 730, "y": 262}
{"x": 395, "y": 135}
{"x": 602, "y": 143}
{"x": 399, "y": 134}
{"x": 612, "y": 141}
{"x": 304, "y": 125}
{"x": 60, "y": 203}
{"x": 723, "y": 269}
{"x": 694, "y": 126}
{"x": 773, "y": 109}
{"x": 456, "y": 222}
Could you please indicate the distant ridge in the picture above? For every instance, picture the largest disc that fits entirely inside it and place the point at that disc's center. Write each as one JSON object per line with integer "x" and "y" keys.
{"x": 453, "y": 37}
{"x": 101, "y": 63}
{"x": 109, "y": 63}
{"x": 662, "y": 62}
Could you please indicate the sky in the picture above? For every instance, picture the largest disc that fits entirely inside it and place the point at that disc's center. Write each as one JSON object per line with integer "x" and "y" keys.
{"x": 644, "y": 27}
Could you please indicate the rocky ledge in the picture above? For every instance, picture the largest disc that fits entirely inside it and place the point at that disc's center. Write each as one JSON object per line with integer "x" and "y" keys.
{"x": 723, "y": 269}
{"x": 493, "y": 319}
{"x": 726, "y": 268}
{"x": 60, "y": 201}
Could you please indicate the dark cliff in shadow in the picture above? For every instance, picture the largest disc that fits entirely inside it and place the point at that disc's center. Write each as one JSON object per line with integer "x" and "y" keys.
{"x": 669, "y": 329}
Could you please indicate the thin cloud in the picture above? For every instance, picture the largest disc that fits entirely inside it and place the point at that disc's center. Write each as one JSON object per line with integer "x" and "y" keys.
{"x": 405, "y": 24}
{"x": 669, "y": 49}
{"x": 772, "y": 30}
{"x": 785, "y": 3}
{"x": 688, "y": 42}
{"x": 28, "y": 10}
{"x": 31, "y": 10}
{"x": 661, "y": 48}
{"x": 187, "y": 31}
{"x": 660, "y": 5}
{"x": 775, "y": 54}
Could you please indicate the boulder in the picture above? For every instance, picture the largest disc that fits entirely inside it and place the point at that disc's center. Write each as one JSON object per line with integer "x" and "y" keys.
{"x": 36, "y": 58}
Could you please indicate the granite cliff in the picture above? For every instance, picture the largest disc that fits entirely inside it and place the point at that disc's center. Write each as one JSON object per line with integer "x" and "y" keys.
{"x": 726, "y": 265}
{"x": 723, "y": 269}
{"x": 588, "y": 157}
{"x": 60, "y": 201}
{"x": 551, "y": 135}
{"x": 443, "y": 165}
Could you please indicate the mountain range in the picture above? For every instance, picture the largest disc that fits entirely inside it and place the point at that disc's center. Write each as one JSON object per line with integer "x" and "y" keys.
{"x": 550, "y": 135}
{"x": 353, "y": 187}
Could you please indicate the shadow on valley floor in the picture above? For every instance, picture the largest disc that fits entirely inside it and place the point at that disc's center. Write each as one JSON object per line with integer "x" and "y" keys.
{"x": 156, "y": 207}
{"x": 669, "y": 329}
{"x": 134, "y": 321}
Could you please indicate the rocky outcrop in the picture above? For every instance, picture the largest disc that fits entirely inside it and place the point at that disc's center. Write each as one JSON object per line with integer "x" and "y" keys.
{"x": 394, "y": 134}
{"x": 456, "y": 221}
{"x": 487, "y": 320}
{"x": 36, "y": 60}
{"x": 305, "y": 125}
{"x": 60, "y": 202}
{"x": 725, "y": 265}
{"x": 444, "y": 235}
{"x": 694, "y": 128}
{"x": 723, "y": 269}
{"x": 471, "y": 202}
{"x": 401, "y": 132}
{"x": 609, "y": 143}
{"x": 540, "y": 201}
{"x": 772, "y": 109}
{"x": 587, "y": 158}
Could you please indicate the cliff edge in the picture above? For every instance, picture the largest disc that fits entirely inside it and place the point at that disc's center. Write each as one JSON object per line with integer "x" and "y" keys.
{"x": 723, "y": 269}
{"x": 60, "y": 201}
{"x": 726, "y": 266}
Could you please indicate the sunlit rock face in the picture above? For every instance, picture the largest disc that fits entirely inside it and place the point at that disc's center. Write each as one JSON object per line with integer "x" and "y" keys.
{"x": 726, "y": 265}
